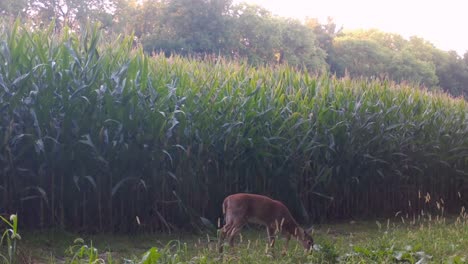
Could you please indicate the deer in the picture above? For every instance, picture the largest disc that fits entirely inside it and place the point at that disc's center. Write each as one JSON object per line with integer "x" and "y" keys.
{"x": 242, "y": 208}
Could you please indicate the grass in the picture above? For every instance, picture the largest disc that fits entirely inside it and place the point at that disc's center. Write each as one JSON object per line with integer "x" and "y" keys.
{"x": 391, "y": 241}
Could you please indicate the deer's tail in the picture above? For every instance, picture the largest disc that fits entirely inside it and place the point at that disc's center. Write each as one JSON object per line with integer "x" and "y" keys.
{"x": 224, "y": 206}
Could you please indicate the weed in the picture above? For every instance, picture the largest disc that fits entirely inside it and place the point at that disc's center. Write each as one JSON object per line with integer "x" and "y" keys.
{"x": 11, "y": 236}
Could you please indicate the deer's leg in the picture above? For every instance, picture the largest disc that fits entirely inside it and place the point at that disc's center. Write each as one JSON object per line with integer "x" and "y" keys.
{"x": 233, "y": 231}
{"x": 224, "y": 231}
{"x": 287, "y": 237}
{"x": 222, "y": 235}
{"x": 230, "y": 230}
{"x": 271, "y": 236}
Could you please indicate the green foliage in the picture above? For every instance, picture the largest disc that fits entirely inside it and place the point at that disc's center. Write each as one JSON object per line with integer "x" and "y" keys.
{"x": 376, "y": 54}
{"x": 79, "y": 252}
{"x": 386, "y": 255}
{"x": 173, "y": 252}
{"x": 239, "y": 31}
{"x": 75, "y": 14}
{"x": 325, "y": 252}
{"x": 11, "y": 237}
{"x": 426, "y": 238}
{"x": 299, "y": 46}
{"x": 151, "y": 256}
{"x": 372, "y": 53}
{"x": 257, "y": 34}
{"x": 452, "y": 72}
{"x": 13, "y": 8}
{"x": 201, "y": 28}
{"x": 188, "y": 27}
{"x": 96, "y": 134}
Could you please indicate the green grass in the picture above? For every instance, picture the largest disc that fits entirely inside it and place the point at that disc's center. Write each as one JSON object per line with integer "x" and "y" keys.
{"x": 390, "y": 241}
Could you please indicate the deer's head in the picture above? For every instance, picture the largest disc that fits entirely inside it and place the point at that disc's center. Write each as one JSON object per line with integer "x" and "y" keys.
{"x": 306, "y": 239}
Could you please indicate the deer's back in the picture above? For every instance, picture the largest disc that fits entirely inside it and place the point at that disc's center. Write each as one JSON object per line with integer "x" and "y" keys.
{"x": 256, "y": 208}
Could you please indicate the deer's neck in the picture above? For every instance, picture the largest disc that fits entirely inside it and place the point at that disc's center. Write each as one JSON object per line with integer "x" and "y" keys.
{"x": 292, "y": 227}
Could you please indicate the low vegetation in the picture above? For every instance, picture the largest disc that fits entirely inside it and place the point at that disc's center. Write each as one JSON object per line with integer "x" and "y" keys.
{"x": 424, "y": 239}
{"x": 9, "y": 238}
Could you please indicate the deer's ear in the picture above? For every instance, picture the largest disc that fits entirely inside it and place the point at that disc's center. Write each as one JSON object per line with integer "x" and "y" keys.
{"x": 309, "y": 230}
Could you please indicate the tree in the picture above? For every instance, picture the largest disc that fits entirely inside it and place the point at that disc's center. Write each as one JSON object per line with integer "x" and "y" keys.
{"x": 359, "y": 58}
{"x": 126, "y": 17}
{"x": 265, "y": 39}
{"x": 404, "y": 66}
{"x": 72, "y": 13}
{"x": 299, "y": 47}
{"x": 325, "y": 34}
{"x": 372, "y": 53}
{"x": 191, "y": 26}
{"x": 256, "y": 34}
{"x": 13, "y": 8}
{"x": 452, "y": 71}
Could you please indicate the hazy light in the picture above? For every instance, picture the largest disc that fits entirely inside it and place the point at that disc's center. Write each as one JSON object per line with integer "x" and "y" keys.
{"x": 443, "y": 23}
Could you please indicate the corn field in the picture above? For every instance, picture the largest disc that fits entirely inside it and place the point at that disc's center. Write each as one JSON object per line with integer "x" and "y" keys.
{"x": 98, "y": 136}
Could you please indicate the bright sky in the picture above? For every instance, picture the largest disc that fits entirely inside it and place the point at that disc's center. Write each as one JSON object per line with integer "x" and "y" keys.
{"x": 443, "y": 23}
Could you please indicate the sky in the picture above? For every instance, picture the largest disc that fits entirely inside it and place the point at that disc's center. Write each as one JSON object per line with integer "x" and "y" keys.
{"x": 443, "y": 23}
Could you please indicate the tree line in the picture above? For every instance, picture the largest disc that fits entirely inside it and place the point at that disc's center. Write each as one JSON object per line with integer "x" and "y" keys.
{"x": 249, "y": 32}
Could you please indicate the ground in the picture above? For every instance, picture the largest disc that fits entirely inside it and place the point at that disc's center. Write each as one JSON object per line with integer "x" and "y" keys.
{"x": 397, "y": 240}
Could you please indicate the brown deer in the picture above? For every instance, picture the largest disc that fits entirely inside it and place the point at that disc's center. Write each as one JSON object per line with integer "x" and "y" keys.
{"x": 242, "y": 208}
